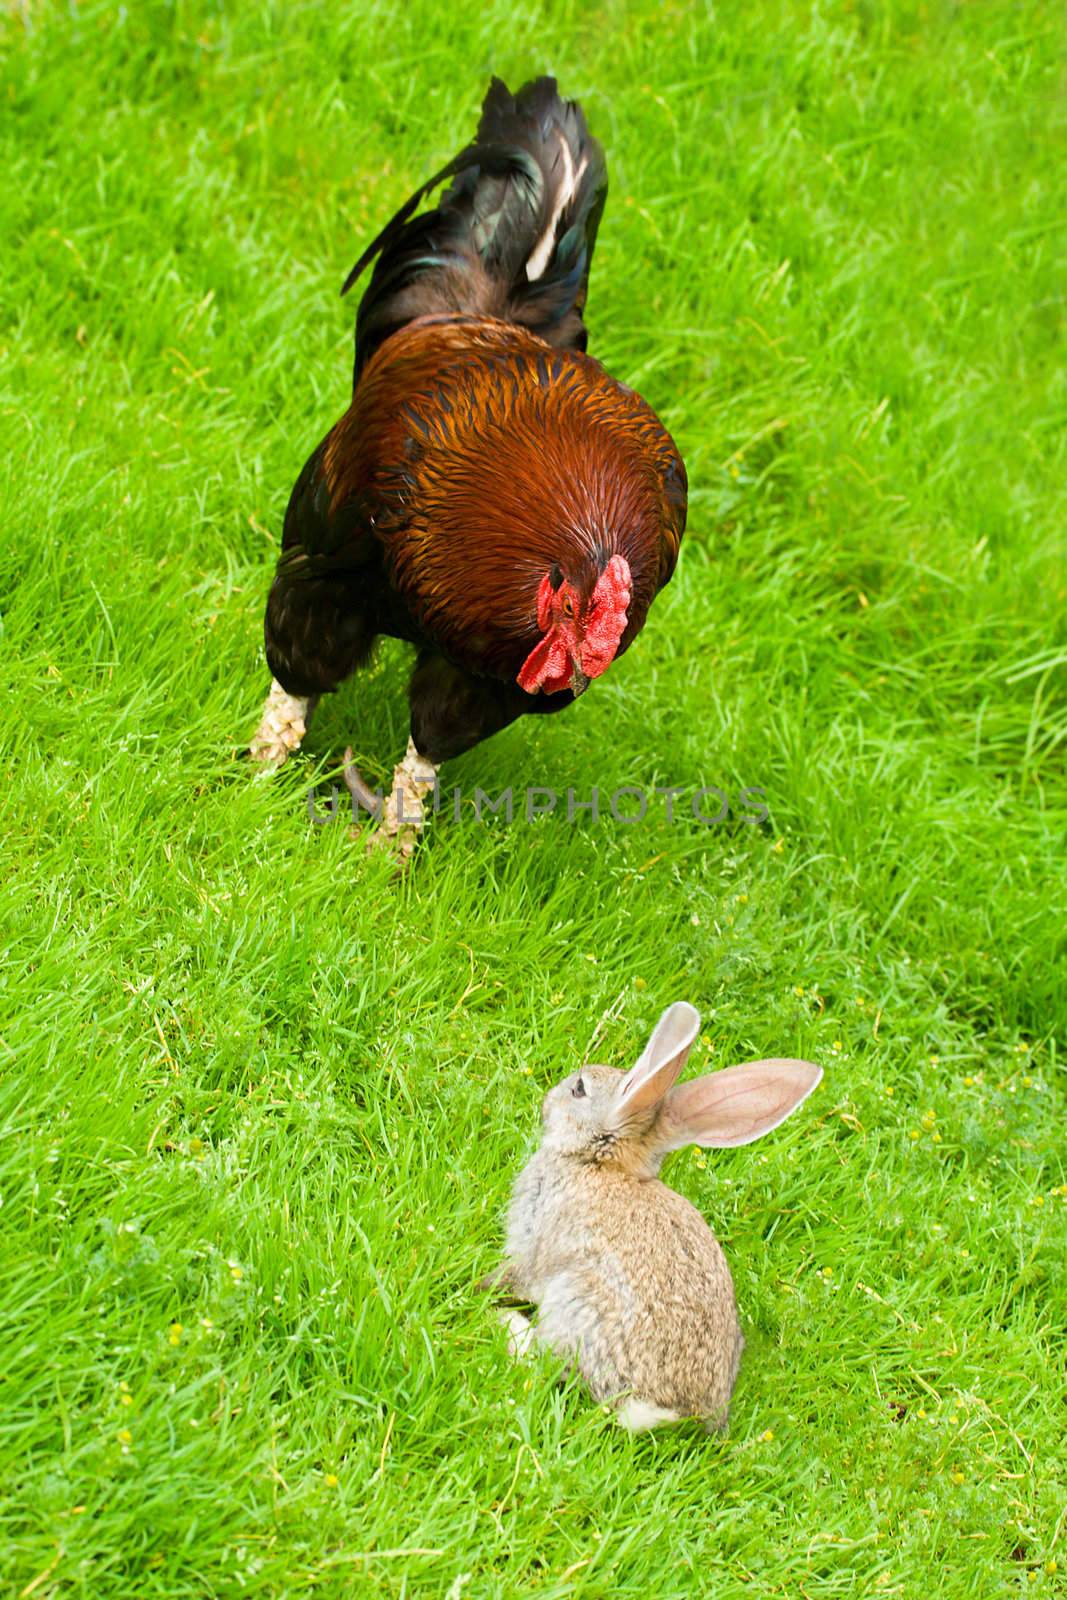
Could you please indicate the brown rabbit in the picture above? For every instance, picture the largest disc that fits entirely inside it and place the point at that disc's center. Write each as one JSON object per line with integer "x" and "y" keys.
{"x": 628, "y": 1279}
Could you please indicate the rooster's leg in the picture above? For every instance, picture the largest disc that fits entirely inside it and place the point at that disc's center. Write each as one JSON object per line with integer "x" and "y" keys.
{"x": 402, "y": 811}
{"x": 281, "y": 727}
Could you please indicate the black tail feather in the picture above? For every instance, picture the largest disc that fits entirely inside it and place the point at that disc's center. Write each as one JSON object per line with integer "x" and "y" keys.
{"x": 512, "y": 236}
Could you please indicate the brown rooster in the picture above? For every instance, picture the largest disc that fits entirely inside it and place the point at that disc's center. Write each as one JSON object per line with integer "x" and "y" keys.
{"x": 491, "y": 495}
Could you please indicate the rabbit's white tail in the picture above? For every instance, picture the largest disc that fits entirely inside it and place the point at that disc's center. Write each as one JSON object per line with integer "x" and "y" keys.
{"x": 640, "y": 1415}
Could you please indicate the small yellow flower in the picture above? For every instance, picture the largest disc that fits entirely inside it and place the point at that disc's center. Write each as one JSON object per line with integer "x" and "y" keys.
{"x": 639, "y": 983}
{"x": 968, "y": 1083}
{"x": 331, "y": 1480}
{"x": 236, "y": 1272}
{"x": 922, "y": 1411}
{"x": 1028, "y": 1083}
{"x": 767, "y": 1435}
{"x": 860, "y": 1001}
{"x": 126, "y": 1399}
{"x": 1051, "y": 1567}
{"x": 1037, "y": 1199}
{"x": 836, "y": 1045}
{"x": 174, "y": 1333}
{"x": 195, "y": 1146}
{"x": 125, "y": 1437}
{"x": 914, "y": 1134}
{"x": 778, "y": 846}
{"x": 527, "y": 1072}
{"x": 936, "y": 1137}
{"x": 958, "y": 1477}
{"x": 1022, "y": 1049}
{"x": 889, "y": 1089}
{"x": 742, "y": 899}
{"x": 827, "y": 1272}
{"x": 798, "y": 988}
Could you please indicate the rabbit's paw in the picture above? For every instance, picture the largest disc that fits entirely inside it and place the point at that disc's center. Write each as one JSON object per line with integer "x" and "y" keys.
{"x": 522, "y": 1335}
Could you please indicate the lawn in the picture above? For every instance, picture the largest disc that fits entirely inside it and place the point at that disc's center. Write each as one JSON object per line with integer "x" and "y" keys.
{"x": 261, "y": 1103}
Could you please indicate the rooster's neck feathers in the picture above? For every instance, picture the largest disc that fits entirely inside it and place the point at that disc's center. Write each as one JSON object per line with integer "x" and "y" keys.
{"x": 486, "y": 458}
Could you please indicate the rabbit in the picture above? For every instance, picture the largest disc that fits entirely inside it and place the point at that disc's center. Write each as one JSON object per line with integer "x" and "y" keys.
{"x": 629, "y": 1281}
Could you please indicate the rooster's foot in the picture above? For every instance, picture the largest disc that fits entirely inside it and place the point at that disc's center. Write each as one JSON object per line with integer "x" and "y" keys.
{"x": 281, "y": 728}
{"x": 356, "y": 784}
{"x": 402, "y": 818}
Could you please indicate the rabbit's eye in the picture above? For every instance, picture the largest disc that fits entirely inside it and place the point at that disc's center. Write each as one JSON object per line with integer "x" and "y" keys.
{"x": 579, "y": 1089}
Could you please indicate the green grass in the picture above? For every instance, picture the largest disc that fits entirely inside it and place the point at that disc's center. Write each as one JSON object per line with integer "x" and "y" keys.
{"x": 251, "y": 1086}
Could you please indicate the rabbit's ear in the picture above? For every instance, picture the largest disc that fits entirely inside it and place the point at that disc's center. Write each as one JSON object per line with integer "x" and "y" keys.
{"x": 662, "y": 1059}
{"x": 735, "y": 1106}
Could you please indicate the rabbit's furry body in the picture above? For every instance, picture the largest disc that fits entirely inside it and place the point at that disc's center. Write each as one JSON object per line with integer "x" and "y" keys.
{"x": 630, "y": 1283}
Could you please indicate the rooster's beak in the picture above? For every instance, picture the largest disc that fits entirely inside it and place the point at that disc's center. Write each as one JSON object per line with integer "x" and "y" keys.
{"x": 579, "y": 681}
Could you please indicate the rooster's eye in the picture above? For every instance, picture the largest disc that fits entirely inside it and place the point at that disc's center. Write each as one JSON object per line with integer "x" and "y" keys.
{"x": 579, "y": 1089}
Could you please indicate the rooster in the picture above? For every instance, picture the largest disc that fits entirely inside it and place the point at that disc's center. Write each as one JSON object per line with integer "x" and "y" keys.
{"x": 492, "y": 495}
